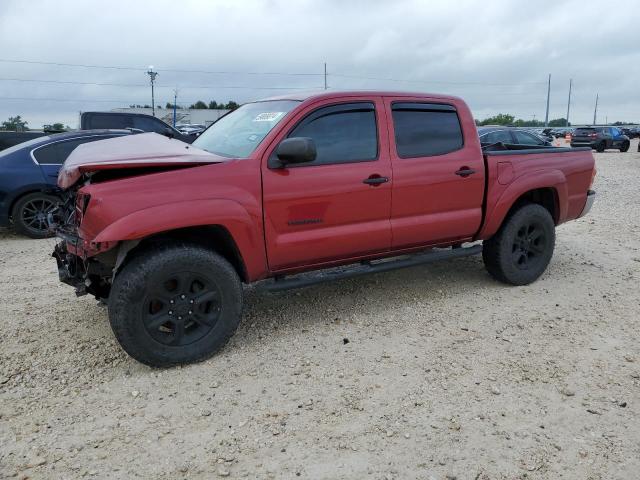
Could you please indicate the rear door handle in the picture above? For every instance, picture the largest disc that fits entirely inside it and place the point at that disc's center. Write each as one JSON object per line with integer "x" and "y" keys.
{"x": 465, "y": 171}
{"x": 375, "y": 180}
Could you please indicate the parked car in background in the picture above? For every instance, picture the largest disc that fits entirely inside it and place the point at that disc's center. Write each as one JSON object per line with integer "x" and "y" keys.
{"x": 9, "y": 138}
{"x": 136, "y": 121}
{"x": 510, "y": 135}
{"x": 561, "y": 132}
{"x": 600, "y": 138}
{"x": 542, "y": 133}
{"x": 191, "y": 128}
{"x": 631, "y": 132}
{"x": 28, "y": 175}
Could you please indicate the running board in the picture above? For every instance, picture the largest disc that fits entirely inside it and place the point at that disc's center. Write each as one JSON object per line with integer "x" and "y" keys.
{"x": 365, "y": 268}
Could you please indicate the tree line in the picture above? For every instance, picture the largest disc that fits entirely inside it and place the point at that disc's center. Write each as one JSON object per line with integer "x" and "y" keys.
{"x": 212, "y": 105}
{"x": 507, "y": 119}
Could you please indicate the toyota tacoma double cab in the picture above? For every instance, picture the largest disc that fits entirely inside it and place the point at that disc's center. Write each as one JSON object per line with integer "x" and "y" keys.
{"x": 295, "y": 190}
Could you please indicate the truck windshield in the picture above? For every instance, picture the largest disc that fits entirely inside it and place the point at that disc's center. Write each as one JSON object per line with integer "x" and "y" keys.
{"x": 238, "y": 133}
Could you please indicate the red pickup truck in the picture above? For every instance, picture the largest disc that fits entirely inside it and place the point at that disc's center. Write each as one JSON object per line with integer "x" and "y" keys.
{"x": 336, "y": 183}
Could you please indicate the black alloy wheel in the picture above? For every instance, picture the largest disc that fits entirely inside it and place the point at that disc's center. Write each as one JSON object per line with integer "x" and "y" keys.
{"x": 30, "y": 214}
{"x": 182, "y": 308}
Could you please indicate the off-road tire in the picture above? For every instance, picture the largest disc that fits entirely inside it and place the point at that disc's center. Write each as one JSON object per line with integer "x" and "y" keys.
{"x": 601, "y": 147}
{"x": 624, "y": 147}
{"x": 154, "y": 271}
{"x": 503, "y": 253}
{"x": 25, "y": 211}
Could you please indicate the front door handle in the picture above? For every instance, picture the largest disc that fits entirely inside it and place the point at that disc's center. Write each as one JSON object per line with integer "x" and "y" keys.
{"x": 465, "y": 172}
{"x": 375, "y": 180}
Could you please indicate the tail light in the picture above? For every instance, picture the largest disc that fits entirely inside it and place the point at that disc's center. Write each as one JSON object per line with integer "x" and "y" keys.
{"x": 593, "y": 134}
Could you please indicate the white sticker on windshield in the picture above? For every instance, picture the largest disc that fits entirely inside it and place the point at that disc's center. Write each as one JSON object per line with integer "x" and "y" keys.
{"x": 268, "y": 116}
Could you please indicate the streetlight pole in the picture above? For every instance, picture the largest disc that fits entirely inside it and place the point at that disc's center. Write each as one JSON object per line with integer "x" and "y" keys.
{"x": 569, "y": 101}
{"x": 152, "y": 77}
{"x": 175, "y": 99}
{"x": 325, "y": 75}
{"x": 546, "y": 116}
{"x": 595, "y": 110}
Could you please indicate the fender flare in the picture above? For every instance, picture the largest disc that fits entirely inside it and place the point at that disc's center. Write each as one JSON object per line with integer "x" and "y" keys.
{"x": 553, "y": 179}
{"x": 231, "y": 215}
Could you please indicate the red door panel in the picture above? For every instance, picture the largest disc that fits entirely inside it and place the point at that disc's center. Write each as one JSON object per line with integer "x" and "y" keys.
{"x": 431, "y": 202}
{"x": 325, "y": 213}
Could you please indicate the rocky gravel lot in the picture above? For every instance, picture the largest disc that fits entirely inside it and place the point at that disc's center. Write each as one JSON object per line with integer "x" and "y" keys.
{"x": 434, "y": 372}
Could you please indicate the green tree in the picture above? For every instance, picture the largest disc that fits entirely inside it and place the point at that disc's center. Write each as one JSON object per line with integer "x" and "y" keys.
{"x": 15, "y": 124}
{"x": 57, "y": 127}
{"x": 199, "y": 105}
{"x": 558, "y": 122}
{"x": 500, "y": 119}
{"x": 231, "y": 105}
{"x": 213, "y": 105}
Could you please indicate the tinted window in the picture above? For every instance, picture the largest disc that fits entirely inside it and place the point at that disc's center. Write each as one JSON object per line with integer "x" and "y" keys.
{"x": 98, "y": 121}
{"x": 57, "y": 153}
{"x": 342, "y": 133}
{"x": 150, "y": 124}
{"x": 524, "y": 138}
{"x": 426, "y": 129}
{"x": 503, "y": 136}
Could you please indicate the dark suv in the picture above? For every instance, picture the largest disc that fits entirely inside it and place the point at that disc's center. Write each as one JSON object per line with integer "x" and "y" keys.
{"x": 600, "y": 138}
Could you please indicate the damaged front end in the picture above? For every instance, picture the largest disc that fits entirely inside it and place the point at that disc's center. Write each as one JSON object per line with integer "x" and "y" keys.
{"x": 84, "y": 265}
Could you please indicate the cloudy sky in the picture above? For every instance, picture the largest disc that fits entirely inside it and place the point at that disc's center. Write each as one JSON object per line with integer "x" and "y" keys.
{"x": 496, "y": 54}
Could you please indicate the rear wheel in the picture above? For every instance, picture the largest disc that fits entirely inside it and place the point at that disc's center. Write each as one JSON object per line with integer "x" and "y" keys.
{"x": 600, "y": 147}
{"x": 30, "y": 214}
{"x": 174, "y": 305}
{"x": 521, "y": 250}
{"x": 624, "y": 147}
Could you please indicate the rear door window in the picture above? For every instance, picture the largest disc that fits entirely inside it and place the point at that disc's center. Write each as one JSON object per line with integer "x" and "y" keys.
{"x": 423, "y": 129}
{"x": 107, "y": 121}
{"x": 150, "y": 124}
{"x": 57, "y": 153}
{"x": 503, "y": 136}
{"x": 524, "y": 138}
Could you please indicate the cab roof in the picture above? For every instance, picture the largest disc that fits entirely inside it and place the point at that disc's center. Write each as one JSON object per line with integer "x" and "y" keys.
{"x": 320, "y": 94}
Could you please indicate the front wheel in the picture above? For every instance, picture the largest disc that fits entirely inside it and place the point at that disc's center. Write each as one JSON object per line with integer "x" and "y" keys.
{"x": 175, "y": 304}
{"x": 521, "y": 250}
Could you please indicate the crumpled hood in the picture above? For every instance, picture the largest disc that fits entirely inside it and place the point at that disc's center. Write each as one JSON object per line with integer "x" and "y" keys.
{"x": 131, "y": 151}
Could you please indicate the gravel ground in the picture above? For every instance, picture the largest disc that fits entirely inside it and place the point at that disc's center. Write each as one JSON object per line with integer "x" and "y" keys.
{"x": 433, "y": 372}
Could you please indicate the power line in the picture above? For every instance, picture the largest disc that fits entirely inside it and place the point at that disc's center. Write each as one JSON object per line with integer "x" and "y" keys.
{"x": 319, "y": 74}
{"x": 69, "y": 82}
{"x": 426, "y": 82}
{"x": 175, "y": 70}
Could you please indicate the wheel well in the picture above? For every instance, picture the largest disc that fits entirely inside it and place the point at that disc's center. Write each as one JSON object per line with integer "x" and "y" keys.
{"x": 212, "y": 237}
{"x": 547, "y": 197}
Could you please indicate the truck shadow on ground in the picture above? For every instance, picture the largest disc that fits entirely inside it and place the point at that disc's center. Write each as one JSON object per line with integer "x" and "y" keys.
{"x": 369, "y": 295}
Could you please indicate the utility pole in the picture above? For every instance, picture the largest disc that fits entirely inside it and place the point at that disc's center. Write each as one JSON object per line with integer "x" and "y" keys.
{"x": 546, "y": 117}
{"x": 325, "y": 75}
{"x": 152, "y": 77}
{"x": 569, "y": 101}
{"x": 175, "y": 99}
{"x": 595, "y": 110}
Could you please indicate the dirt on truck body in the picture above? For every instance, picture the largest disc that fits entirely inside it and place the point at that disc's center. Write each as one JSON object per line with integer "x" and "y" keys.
{"x": 289, "y": 187}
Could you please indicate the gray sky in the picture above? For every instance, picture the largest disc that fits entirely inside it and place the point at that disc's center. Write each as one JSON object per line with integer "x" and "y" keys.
{"x": 495, "y": 54}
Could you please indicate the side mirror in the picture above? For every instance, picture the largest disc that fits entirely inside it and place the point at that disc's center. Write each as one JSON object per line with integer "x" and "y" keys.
{"x": 296, "y": 150}
{"x": 168, "y": 132}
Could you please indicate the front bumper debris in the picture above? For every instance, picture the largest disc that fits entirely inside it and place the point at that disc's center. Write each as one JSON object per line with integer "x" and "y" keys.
{"x": 71, "y": 268}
